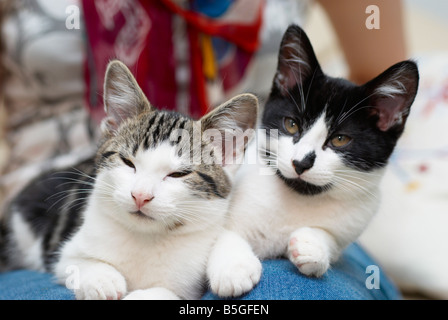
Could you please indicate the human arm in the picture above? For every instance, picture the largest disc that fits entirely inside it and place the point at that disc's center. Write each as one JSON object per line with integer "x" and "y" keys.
{"x": 368, "y": 52}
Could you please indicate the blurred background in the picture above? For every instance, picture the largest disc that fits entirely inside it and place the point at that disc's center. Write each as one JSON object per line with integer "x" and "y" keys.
{"x": 425, "y": 25}
{"x": 408, "y": 237}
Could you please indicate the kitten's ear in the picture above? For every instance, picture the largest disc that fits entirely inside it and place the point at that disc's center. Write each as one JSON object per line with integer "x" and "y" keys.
{"x": 392, "y": 94}
{"x": 123, "y": 97}
{"x": 234, "y": 121}
{"x": 297, "y": 61}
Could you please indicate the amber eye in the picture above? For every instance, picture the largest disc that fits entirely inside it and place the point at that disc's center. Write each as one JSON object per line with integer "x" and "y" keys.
{"x": 179, "y": 174}
{"x": 340, "y": 140}
{"x": 291, "y": 126}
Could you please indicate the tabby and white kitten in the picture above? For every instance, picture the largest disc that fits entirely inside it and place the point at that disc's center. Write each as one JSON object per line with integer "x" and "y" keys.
{"x": 333, "y": 140}
{"x": 138, "y": 221}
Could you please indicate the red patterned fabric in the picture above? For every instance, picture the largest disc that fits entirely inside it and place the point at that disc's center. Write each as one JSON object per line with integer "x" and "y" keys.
{"x": 140, "y": 33}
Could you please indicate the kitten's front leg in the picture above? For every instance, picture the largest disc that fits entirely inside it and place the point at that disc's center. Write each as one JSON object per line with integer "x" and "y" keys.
{"x": 312, "y": 250}
{"x": 233, "y": 268}
{"x": 96, "y": 280}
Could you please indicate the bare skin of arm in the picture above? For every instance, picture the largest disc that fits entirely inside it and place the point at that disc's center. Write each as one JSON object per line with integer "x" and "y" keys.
{"x": 368, "y": 52}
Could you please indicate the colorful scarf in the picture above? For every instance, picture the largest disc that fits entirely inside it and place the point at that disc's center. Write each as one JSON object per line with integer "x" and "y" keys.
{"x": 173, "y": 51}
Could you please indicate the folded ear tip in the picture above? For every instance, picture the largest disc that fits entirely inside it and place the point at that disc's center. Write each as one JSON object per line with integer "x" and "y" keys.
{"x": 115, "y": 66}
{"x": 115, "y": 63}
{"x": 294, "y": 29}
{"x": 249, "y": 103}
{"x": 408, "y": 68}
{"x": 411, "y": 63}
{"x": 249, "y": 98}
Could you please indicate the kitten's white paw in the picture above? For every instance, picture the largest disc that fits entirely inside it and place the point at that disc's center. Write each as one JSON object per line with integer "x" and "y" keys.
{"x": 308, "y": 252}
{"x": 236, "y": 277}
{"x": 102, "y": 283}
{"x": 152, "y": 294}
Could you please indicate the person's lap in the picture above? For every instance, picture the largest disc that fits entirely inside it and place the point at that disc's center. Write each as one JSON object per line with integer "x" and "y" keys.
{"x": 349, "y": 278}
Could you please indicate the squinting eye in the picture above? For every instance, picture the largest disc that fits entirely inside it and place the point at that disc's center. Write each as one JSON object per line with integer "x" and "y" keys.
{"x": 127, "y": 162}
{"x": 291, "y": 126}
{"x": 179, "y": 174}
{"x": 340, "y": 140}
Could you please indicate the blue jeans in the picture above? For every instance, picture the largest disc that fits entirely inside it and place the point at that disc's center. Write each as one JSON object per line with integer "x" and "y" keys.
{"x": 280, "y": 281}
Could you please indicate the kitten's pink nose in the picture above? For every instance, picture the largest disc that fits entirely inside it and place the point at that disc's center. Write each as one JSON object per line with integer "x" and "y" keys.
{"x": 141, "y": 198}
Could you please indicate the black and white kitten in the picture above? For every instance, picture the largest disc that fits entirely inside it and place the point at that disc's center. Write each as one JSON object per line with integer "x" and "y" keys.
{"x": 329, "y": 141}
{"x": 139, "y": 220}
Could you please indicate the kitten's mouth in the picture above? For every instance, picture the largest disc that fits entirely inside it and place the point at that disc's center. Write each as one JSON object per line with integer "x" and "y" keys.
{"x": 140, "y": 214}
{"x": 302, "y": 186}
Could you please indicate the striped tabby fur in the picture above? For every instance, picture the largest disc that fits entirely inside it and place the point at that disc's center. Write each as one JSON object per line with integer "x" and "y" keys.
{"x": 99, "y": 216}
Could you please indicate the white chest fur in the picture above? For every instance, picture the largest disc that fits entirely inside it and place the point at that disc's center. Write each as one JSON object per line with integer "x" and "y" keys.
{"x": 175, "y": 260}
{"x": 265, "y": 211}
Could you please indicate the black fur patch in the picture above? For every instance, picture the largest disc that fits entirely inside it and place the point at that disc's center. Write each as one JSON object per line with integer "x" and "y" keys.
{"x": 44, "y": 204}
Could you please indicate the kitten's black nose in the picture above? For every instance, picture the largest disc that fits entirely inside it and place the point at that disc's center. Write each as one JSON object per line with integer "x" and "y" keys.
{"x": 306, "y": 163}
